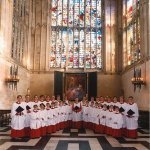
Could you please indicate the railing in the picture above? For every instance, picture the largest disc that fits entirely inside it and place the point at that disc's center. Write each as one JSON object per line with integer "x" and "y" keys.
{"x": 5, "y": 117}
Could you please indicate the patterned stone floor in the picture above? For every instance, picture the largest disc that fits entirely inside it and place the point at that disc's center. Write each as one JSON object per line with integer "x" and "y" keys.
{"x": 73, "y": 139}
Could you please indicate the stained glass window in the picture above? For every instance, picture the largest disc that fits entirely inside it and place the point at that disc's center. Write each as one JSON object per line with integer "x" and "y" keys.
{"x": 17, "y": 29}
{"x": 76, "y": 34}
{"x": 131, "y": 32}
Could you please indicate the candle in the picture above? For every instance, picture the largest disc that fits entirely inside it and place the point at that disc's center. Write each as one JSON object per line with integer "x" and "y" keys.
{"x": 11, "y": 70}
{"x": 14, "y": 70}
{"x": 17, "y": 71}
{"x": 134, "y": 74}
{"x": 140, "y": 72}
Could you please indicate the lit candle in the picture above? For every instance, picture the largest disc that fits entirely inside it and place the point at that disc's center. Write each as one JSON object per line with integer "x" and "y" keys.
{"x": 141, "y": 79}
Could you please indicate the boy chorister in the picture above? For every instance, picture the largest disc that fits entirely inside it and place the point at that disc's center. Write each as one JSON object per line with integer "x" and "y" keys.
{"x": 109, "y": 102}
{"x": 35, "y": 123}
{"x": 85, "y": 114}
{"x": 109, "y": 117}
{"x": 95, "y": 113}
{"x": 132, "y": 115}
{"x": 90, "y": 115}
{"x": 115, "y": 102}
{"x": 117, "y": 122}
{"x": 98, "y": 126}
{"x": 65, "y": 115}
{"x": 29, "y": 106}
{"x": 61, "y": 115}
{"x": 69, "y": 114}
{"x": 76, "y": 115}
{"x": 103, "y": 119}
{"x": 54, "y": 117}
{"x": 49, "y": 118}
{"x": 66, "y": 101}
{"x": 48, "y": 100}
{"x": 42, "y": 100}
{"x": 122, "y": 108}
{"x": 92, "y": 101}
{"x": 18, "y": 113}
{"x": 57, "y": 115}
{"x": 36, "y": 101}
{"x": 102, "y": 100}
{"x": 43, "y": 119}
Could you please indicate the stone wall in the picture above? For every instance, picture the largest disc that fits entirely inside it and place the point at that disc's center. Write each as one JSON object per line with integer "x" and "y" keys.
{"x": 8, "y": 95}
{"x": 142, "y": 97}
{"x": 43, "y": 83}
{"x": 109, "y": 85}
{"x": 34, "y": 72}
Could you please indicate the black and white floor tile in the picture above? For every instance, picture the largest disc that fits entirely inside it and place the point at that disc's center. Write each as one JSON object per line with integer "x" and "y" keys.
{"x": 74, "y": 139}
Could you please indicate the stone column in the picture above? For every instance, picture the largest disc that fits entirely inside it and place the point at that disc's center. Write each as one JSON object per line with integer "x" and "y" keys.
{"x": 148, "y": 28}
{"x": 144, "y": 27}
{"x": 0, "y": 13}
{"x": 38, "y": 24}
{"x": 6, "y": 27}
{"x": 119, "y": 40}
{"x": 39, "y": 35}
{"x": 32, "y": 21}
{"x": 29, "y": 49}
{"x": 43, "y": 35}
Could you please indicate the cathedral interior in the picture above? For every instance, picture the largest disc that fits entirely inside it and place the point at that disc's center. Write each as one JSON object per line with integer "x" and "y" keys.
{"x": 44, "y": 42}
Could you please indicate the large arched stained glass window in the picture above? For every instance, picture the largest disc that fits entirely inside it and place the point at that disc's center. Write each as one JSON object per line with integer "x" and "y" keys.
{"x": 76, "y": 34}
{"x": 131, "y": 32}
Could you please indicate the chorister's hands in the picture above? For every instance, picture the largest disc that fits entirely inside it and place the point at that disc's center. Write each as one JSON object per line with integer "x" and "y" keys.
{"x": 28, "y": 111}
{"x": 17, "y": 114}
{"x": 130, "y": 116}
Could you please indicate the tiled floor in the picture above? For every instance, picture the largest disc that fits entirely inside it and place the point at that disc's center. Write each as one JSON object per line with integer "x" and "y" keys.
{"x": 73, "y": 139}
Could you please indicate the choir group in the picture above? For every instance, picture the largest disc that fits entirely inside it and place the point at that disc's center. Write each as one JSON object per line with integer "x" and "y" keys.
{"x": 44, "y": 115}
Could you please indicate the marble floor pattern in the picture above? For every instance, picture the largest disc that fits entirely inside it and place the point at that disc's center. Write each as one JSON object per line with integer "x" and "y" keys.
{"x": 74, "y": 139}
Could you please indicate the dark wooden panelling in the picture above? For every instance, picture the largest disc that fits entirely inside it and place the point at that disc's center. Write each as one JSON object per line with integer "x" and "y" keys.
{"x": 144, "y": 119}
